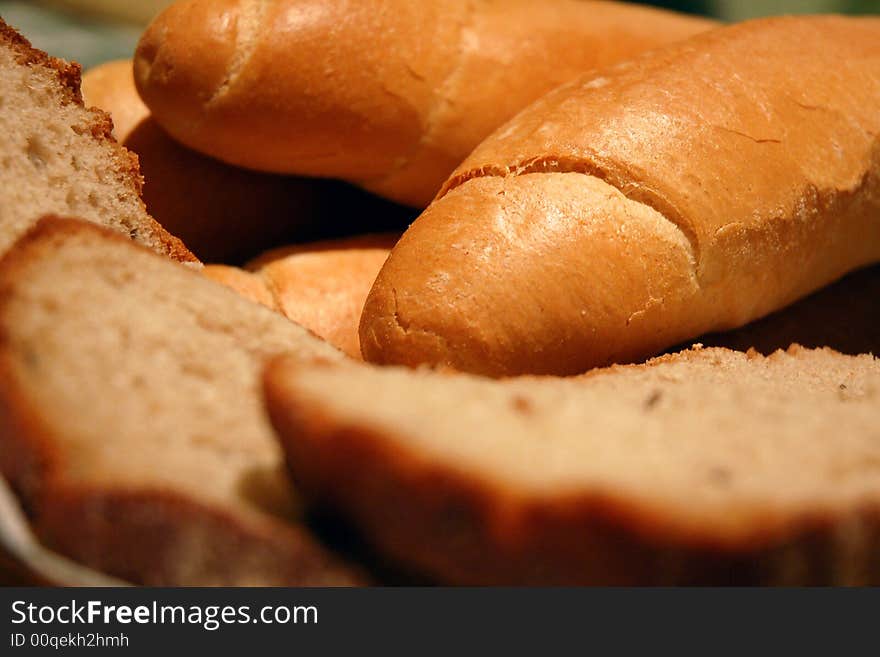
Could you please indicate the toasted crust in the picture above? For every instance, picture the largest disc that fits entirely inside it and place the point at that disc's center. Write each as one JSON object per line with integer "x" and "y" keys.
{"x": 147, "y": 535}
{"x": 110, "y": 88}
{"x": 461, "y": 524}
{"x": 101, "y": 128}
{"x": 388, "y": 94}
{"x": 578, "y": 235}
{"x": 68, "y": 72}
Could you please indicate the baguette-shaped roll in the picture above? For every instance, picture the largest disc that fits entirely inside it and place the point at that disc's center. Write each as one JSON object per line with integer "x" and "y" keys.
{"x": 222, "y": 212}
{"x": 321, "y": 285}
{"x": 695, "y": 189}
{"x": 390, "y": 94}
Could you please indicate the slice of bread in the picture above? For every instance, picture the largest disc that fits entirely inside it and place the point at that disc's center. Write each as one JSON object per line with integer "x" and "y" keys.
{"x": 707, "y": 466}
{"x": 131, "y": 421}
{"x": 57, "y": 157}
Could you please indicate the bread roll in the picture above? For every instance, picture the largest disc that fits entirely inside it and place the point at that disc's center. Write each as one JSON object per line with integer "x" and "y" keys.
{"x": 247, "y": 284}
{"x": 707, "y": 466}
{"x": 389, "y": 94}
{"x": 223, "y": 213}
{"x": 695, "y": 189}
{"x": 321, "y": 285}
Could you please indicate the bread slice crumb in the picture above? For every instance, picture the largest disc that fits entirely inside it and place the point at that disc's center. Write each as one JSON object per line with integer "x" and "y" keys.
{"x": 706, "y": 466}
{"x": 60, "y": 157}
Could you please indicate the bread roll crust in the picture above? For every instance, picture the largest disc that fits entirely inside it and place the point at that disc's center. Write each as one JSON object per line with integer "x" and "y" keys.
{"x": 755, "y": 144}
{"x": 224, "y": 213}
{"x": 385, "y": 93}
{"x": 320, "y": 285}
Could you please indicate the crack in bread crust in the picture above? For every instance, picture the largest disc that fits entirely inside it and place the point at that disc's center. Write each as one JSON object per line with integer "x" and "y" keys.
{"x": 248, "y": 24}
{"x": 617, "y": 177}
{"x": 439, "y": 103}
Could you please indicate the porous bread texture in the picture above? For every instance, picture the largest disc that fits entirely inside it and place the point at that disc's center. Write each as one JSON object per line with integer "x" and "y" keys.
{"x": 58, "y": 157}
{"x": 706, "y": 466}
{"x": 131, "y": 419}
{"x": 321, "y": 285}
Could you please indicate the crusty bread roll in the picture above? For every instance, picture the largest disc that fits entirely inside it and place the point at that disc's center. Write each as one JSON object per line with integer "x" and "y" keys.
{"x": 695, "y": 189}
{"x": 247, "y": 284}
{"x": 57, "y": 156}
{"x": 321, "y": 285}
{"x": 131, "y": 421}
{"x": 707, "y": 466}
{"x": 223, "y": 213}
{"x": 390, "y": 94}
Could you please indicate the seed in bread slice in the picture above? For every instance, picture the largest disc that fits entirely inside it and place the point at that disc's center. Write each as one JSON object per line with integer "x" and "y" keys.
{"x": 705, "y": 466}
{"x": 58, "y": 157}
{"x": 131, "y": 420}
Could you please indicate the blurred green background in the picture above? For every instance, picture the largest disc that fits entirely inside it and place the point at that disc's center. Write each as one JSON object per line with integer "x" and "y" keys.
{"x": 93, "y": 31}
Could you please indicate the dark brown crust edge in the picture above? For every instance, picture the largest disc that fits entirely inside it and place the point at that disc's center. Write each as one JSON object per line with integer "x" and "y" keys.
{"x": 460, "y": 530}
{"x": 101, "y": 128}
{"x": 147, "y": 536}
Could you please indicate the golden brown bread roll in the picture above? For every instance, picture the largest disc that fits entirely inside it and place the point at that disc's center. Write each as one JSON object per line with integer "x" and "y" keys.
{"x": 247, "y": 284}
{"x": 221, "y": 212}
{"x": 389, "y": 94}
{"x": 321, "y": 285}
{"x": 695, "y": 189}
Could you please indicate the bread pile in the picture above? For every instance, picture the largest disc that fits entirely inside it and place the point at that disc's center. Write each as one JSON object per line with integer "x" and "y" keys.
{"x": 627, "y": 338}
